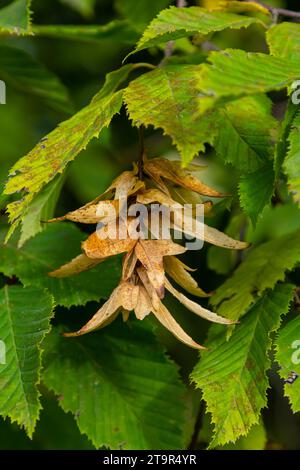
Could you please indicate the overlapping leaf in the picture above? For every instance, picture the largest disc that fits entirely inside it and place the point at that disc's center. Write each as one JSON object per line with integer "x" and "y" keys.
{"x": 123, "y": 391}
{"x": 245, "y": 133}
{"x": 256, "y": 190}
{"x": 167, "y": 98}
{"x": 282, "y": 144}
{"x": 24, "y": 321}
{"x": 288, "y": 358}
{"x": 175, "y": 23}
{"x": 232, "y": 374}
{"x": 15, "y": 18}
{"x": 284, "y": 40}
{"x": 263, "y": 267}
{"x": 291, "y": 164}
{"x": 40, "y": 209}
{"x": 234, "y": 73}
{"x": 48, "y": 251}
{"x": 50, "y": 156}
{"x": 245, "y": 140}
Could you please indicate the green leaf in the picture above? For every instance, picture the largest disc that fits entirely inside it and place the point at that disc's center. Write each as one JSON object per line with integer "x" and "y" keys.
{"x": 52, "y": 154}
{"x": 142, "y": 12}
{"x": 22, "y": 72}
{"x": 232, "y": 374}
{"x": 25, "y": 319}
{"x": 40, "y": 209}
{"x": 262, "y": 268}
{"x": 291, "y": 164}
{"x": 117, "y": 30}
{"x": 256, "y": 190}
{"x": 58, "y": 244}
{"x": 268, "y": 227}
{"x": 256, "y": 439}
{"x": 15, "y": 18}
{"x": 120, "y": 386}
{"x": 174, "y": 23}
{"x": 245, "y": 133}
{"x": 234, "y": 73}
{"x": 245, "y": 140}
{"x": 85, "y": 7}
{"x": 282, "y": 144}
{"x": 288, "y": 357}
{"x": 167, "y": 98}
{"x": 284, "y": 40}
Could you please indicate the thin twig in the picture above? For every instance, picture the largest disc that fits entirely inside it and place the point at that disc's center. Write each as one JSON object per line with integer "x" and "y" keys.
{"x": 280, "y": 11}
{"x": 141, "y": 153}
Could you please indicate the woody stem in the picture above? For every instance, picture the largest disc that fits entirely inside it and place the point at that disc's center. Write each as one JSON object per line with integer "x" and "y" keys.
{"x": 141, "y": 153}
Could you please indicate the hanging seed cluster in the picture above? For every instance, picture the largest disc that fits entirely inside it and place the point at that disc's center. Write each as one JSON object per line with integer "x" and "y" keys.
{"x": 148, "y": 264}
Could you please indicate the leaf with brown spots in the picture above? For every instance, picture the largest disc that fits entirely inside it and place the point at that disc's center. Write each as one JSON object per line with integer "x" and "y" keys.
{"x": 52, "y": 154}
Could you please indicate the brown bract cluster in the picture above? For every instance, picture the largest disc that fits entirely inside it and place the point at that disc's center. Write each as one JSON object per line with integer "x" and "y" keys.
{"x": 148, "y": 264}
